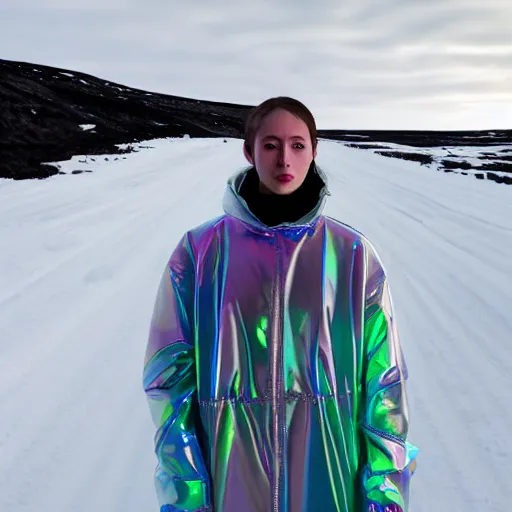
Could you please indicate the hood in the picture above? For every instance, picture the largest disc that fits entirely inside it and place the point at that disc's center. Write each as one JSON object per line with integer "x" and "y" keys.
{"x": 235, "y": 205}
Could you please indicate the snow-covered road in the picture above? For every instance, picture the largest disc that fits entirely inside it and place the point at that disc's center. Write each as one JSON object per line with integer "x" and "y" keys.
{"x": 80, "y": 260}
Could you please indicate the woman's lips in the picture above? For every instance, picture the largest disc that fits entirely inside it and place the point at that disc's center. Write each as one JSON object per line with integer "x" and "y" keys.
{"x": 284, "y": 178}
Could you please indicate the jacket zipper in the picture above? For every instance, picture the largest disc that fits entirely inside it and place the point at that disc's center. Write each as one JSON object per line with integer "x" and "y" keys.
{"x": 278, "y": 431}
{"x": 385, "y": 435}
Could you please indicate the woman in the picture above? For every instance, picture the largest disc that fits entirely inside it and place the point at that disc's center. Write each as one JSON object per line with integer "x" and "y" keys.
{"x": 273, "y": 370}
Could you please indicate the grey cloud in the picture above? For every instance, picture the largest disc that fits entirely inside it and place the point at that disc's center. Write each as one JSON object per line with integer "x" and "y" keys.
{"x": 373, "y": 56}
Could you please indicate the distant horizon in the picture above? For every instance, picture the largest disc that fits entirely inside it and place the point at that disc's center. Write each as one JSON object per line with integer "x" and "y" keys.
{"x": 227, "y": 103}
{"x": 397, "y": 65}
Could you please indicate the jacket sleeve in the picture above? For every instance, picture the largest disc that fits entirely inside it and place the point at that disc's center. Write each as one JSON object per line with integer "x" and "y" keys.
{"x": 181, "y": 478}
{"x": 389, "y": 459}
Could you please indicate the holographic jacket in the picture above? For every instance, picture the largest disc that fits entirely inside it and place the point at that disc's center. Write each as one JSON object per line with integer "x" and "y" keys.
{"x": 274, "y": 372}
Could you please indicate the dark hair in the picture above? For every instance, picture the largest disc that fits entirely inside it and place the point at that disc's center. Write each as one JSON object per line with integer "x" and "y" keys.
{"x": 293, "y": 106}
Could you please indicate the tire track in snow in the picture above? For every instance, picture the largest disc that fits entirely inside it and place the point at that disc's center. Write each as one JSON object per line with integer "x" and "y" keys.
{"x": 77, "y": 433}
{"x": 76, "y": 426}
{"x": 154, "y": 190}
{"x": 86, "y": 412}
{"x": 449, "y": 290}
{"x": 459, "y": 412}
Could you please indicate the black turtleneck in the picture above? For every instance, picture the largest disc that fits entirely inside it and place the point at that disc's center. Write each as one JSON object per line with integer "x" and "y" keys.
{"x": 274, "y": 209}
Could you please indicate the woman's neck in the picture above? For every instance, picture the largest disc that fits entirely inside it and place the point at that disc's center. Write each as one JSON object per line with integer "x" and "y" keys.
{"x": 274, "y": 209}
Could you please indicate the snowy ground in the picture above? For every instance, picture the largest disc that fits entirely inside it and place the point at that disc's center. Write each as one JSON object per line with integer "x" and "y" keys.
{"x": 80, "y": 262}
{"x": 465, "y": 160}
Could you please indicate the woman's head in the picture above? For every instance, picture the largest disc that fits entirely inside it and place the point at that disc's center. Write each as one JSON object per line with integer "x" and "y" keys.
{"x": 280, "y": 141}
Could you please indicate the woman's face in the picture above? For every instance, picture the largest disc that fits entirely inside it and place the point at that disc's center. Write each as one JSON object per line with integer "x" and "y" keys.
{"x": 282, "y": 152}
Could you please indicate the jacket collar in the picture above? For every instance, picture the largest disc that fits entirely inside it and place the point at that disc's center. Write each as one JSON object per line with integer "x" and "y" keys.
{"x": 235, "y": 205}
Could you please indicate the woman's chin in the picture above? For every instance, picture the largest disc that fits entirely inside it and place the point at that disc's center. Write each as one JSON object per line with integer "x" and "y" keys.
{"x": 279, "y": 188}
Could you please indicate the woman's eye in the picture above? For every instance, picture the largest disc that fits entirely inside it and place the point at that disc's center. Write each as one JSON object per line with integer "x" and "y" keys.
{"x": 297, "y": 145}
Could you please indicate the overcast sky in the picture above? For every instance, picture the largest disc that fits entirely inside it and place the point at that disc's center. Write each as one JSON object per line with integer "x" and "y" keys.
{"x": 385, "y": 64}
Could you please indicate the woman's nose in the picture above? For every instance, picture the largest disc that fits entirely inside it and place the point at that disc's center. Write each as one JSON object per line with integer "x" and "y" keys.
{"x": 284, "y": 158}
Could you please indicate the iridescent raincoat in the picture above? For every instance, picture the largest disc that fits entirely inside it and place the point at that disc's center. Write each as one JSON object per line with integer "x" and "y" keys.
{"x": 274, "y": 371}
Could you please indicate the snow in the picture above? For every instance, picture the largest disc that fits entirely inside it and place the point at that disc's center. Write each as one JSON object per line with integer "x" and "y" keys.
{"x": 86, "y": 127}
{"x": 473, "y": 155}
{"x": 66, "y": 74}
{"x": 81, "y": 265}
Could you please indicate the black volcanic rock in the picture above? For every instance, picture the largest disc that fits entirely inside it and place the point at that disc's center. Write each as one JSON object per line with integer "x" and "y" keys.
{"x": 424, "y": 139}
{"x": 450, "y": 164}
{"x": 414, "y": 157}
{"x": 43, "y": 108}
{"x": 49, "y": 115}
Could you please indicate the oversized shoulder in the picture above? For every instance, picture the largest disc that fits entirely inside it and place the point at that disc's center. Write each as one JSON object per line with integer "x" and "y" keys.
{"x": 198, "y": 238}
{"x": 204, "y": 232}
{"x": 343, "y": 230}
{"x": 347, "y": 232}
{"x": 197, "y": 233}
{"x": 351, "y": 235}
{"x": 375, "y": 280}
{"x": 194, "y": 239}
